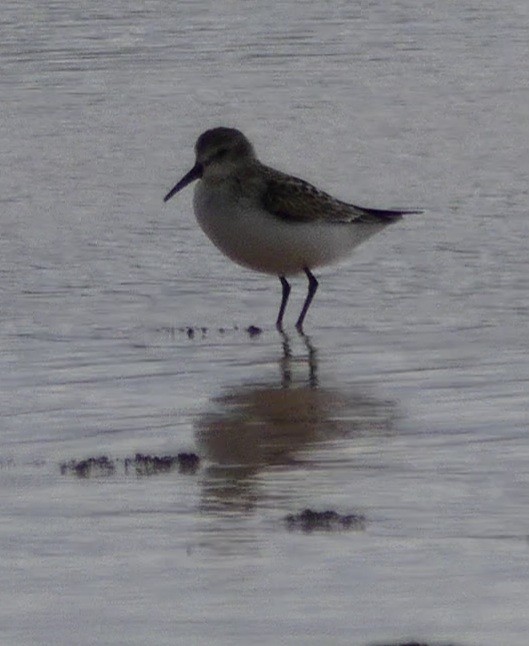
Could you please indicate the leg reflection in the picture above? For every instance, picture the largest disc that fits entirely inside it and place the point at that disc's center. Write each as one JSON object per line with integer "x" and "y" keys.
{"x": 288, "y": 359}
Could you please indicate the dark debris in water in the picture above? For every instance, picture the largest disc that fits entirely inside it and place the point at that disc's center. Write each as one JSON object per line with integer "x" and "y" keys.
{"x": 141, "y": 464}
{"x": 100, "y": 466}
{"x": 188, "y": 462}
{"x": 412, "y": 643}
{"x": 146, "y": 465}
{"x": 193, "y": 332}
{"x": 253, "y": 330}
{"x": 309, "y": 521}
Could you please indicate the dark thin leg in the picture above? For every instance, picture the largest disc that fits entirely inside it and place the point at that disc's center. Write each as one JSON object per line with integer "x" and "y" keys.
{"x": 313, "y": 286}
{"x": 284, "y": 299}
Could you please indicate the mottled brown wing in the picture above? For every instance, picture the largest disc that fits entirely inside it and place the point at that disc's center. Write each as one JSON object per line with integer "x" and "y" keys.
{"x": 298, "y": 201}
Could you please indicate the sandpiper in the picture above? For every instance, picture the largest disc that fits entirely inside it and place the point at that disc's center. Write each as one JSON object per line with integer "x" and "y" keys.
{"x": 270, "y": 221}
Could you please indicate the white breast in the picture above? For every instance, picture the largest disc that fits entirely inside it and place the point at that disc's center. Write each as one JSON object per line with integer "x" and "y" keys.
{"x": 254, "y": 238}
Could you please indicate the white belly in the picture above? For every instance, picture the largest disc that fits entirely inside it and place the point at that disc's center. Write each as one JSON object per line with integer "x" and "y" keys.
{"x": 252, "y": 237}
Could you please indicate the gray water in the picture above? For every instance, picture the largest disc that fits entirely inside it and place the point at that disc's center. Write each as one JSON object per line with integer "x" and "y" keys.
{"x": 408, "y": 403}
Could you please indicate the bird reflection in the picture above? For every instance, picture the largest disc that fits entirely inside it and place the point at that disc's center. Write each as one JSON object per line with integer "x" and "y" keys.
{"x": 255, "y": 427}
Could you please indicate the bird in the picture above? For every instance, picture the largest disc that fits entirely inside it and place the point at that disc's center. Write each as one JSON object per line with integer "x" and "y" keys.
{"x": 270, "y": 221}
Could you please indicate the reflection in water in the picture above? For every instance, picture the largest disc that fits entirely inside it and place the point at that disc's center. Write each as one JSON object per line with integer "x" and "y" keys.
{"x": 287, "y": 360}
{"x": 254, "y": 427}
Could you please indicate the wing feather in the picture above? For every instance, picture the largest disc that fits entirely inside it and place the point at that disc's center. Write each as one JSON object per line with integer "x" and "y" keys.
{"x": 296, "y": 200}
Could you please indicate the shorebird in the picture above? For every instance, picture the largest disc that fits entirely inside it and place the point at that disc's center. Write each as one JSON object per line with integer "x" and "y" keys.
{"x": 270, "y": 221}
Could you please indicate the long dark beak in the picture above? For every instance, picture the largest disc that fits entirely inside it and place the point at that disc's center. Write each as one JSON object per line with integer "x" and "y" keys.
{"x": 194, "y": 173}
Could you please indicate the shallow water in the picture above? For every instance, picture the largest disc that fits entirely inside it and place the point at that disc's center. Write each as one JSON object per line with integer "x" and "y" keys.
{"x": 407, "y": 403}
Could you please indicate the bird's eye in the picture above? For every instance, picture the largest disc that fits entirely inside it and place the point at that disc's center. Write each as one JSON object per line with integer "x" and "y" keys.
{"x": 221, "y": 153}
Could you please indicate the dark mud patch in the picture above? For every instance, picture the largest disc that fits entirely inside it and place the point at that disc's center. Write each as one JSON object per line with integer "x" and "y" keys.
{"x": 412, "y": 643}
{"x": 90, "y": 467}
{"x": 328, "y": 521}
{"x": 146, "y": 465}
{"x": 188, "y": 462}
{"x": 141, "y": 465}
